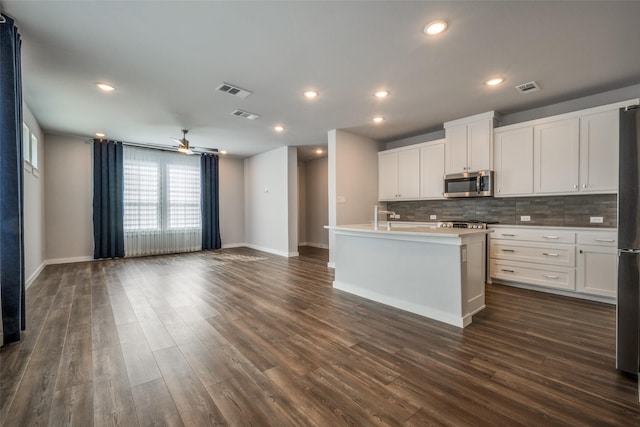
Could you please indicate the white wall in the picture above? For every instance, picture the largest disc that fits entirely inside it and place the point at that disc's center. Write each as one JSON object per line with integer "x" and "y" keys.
{"x": 231, "y": 175}
{"x": 317, "y": 202}
{"x": 68, "y": 199}
{"x": 270, "y": 186}
{"x": 353, "y": 176}
{"x": 34, "y": 213}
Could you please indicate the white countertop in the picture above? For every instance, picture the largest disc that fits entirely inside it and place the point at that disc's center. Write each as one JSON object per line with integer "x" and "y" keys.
{"x": 552, "y": 227}
{"x": 407, "y": 230}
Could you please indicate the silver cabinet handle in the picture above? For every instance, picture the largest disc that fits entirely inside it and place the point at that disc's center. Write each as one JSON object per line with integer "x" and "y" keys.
{"x": 605, "y": 240}
{"x": 507, "y": 235}
{"x": 575, "y": 186}
{"x": 550, "y": 237}
{"x": 584, "y": 185}
{"x": 549, "y": 254}
{"x": 548, "y": 276}
{"x": 507, "y": 271}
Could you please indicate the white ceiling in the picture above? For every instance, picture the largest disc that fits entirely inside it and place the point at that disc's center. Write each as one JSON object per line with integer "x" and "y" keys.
{"x": 167, "y": 57}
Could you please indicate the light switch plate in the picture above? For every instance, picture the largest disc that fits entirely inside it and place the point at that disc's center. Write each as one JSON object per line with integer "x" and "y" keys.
{"x": 596, "y": 219}
{"x": 525, "y": 218}
{"x": 433, "y": 216}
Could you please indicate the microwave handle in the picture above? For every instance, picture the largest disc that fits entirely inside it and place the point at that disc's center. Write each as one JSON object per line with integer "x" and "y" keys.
{"x": 478, "y": 178}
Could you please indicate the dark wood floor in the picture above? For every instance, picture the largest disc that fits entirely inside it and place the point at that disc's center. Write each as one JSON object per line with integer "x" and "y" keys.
{"x": 240, "y": 337}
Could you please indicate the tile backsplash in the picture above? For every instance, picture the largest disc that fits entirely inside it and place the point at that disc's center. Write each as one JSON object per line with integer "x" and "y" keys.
{"x": 568, "y": 211}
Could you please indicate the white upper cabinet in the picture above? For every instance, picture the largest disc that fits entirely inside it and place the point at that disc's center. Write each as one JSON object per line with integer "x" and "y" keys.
{"x": 514, "y": 162}
{"x": 479, "y": 145}
{"x": 556, "y": 148}
{"x": 456, "y": 155}
{"x": 599, "y": 138}
{"x": 387, "y": 176}
{"x": 469, "y": 143}
{"x": 432, "y": 159}
{"x": 399, "y": 175}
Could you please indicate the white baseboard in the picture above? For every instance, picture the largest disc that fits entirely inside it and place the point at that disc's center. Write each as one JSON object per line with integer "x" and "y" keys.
{"x": 35, "y": 274}
{"x": 233, "y": 245}
{"x": 68, "y": 260}
{"x": 314, "y": 245}
{"x": 272, "y": 251}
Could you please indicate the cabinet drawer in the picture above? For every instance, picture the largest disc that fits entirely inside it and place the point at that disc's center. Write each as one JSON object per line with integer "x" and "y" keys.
{"x": 549, "y": 276}
{"x": 534, "y": 235}
{"x": 539, "y": 253}
{"x": 598, "y": 238}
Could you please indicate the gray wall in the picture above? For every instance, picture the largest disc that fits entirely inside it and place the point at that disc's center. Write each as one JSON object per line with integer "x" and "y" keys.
{"x": 567, "y": 211}
{"x": 68, "y": 200}
{"x": 317, "y": 202}
{"x": 509, "y": 118}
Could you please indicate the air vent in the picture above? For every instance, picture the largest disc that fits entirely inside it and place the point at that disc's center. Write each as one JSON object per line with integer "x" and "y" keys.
{"x": 245, "y": 114}
{"x": 528, "y": 87}
{"x": 233, "y": 90}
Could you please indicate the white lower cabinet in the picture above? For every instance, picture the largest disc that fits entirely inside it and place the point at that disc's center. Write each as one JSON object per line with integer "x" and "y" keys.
{"x": 597, "y": 267}
{"x": 575, "y": 260}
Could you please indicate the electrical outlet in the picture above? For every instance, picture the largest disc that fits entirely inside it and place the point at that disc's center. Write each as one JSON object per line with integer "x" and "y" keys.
{"x": 433, "y": 216}
{"x": 341, "y": 199}
{"x": 525, "y": 218}
{"x": 396, "y": 216}
{"x": 596, "y": 220}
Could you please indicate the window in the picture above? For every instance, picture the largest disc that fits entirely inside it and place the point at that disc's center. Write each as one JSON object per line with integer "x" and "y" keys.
{"x": 30, "y": 150}
{"x": 26, "y": 143}
{"x": 184, "y": 197}
{"x": 141, "y": 196}
{"x": 161, "y": 202}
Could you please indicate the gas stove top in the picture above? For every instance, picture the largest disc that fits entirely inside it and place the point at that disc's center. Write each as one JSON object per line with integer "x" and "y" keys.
{"x": 470, "y": 223}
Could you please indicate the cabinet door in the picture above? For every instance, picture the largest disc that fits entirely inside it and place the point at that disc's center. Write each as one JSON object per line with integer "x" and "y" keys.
{"x": 387, "y": 176}
{"x": 409, "y": 174}
{"x": 556, "y": 156}
{"x": 599, "y": 136}
{"x": 479, "y": 147}
{"x": 432, "y": 171}
{"x": 514, "y": 162}
{"x": 597, "y": 270}
{"x": 456, "y": 152}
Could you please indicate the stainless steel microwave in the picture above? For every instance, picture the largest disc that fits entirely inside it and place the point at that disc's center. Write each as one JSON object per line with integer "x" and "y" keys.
{"x": 469, "y": 184}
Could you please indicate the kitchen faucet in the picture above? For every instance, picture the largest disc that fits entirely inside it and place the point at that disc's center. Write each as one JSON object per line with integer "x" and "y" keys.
{"x": 376, "y": 212}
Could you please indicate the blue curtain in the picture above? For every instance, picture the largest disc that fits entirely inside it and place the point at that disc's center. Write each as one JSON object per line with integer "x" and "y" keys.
{"x": 108, "y": 194}
{"x": 11, "y": 185}
{"x": 210, "y": 196}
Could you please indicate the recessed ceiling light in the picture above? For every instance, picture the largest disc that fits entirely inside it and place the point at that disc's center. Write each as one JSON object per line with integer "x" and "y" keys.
{"x": 311, "y": 94}
{"x": 381, "y": 93}
{"x": 278, "y": 128}
{"x": 435, "y": 27}
{"x": 378, "y": 119}
{"x": 223, "y": 151}
{"x": 494, "y": 82}
{"x": 106, "y": 87}
{"x": 319, "y": 151}
{"x": 100, "y": 134}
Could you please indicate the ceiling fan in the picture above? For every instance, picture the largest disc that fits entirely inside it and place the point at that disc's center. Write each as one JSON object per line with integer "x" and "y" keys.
{"x": 184, "y": 147}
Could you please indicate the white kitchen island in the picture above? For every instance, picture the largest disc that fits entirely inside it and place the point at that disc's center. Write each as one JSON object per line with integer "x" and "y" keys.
{"x": 434, "y": 272}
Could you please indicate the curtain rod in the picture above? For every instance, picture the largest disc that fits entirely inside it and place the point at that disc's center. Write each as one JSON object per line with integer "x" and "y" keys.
{"x": 155, "y": 147}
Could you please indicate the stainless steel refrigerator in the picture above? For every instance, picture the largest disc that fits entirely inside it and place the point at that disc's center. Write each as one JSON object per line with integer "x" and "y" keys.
{"x": 628, "y": 307}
